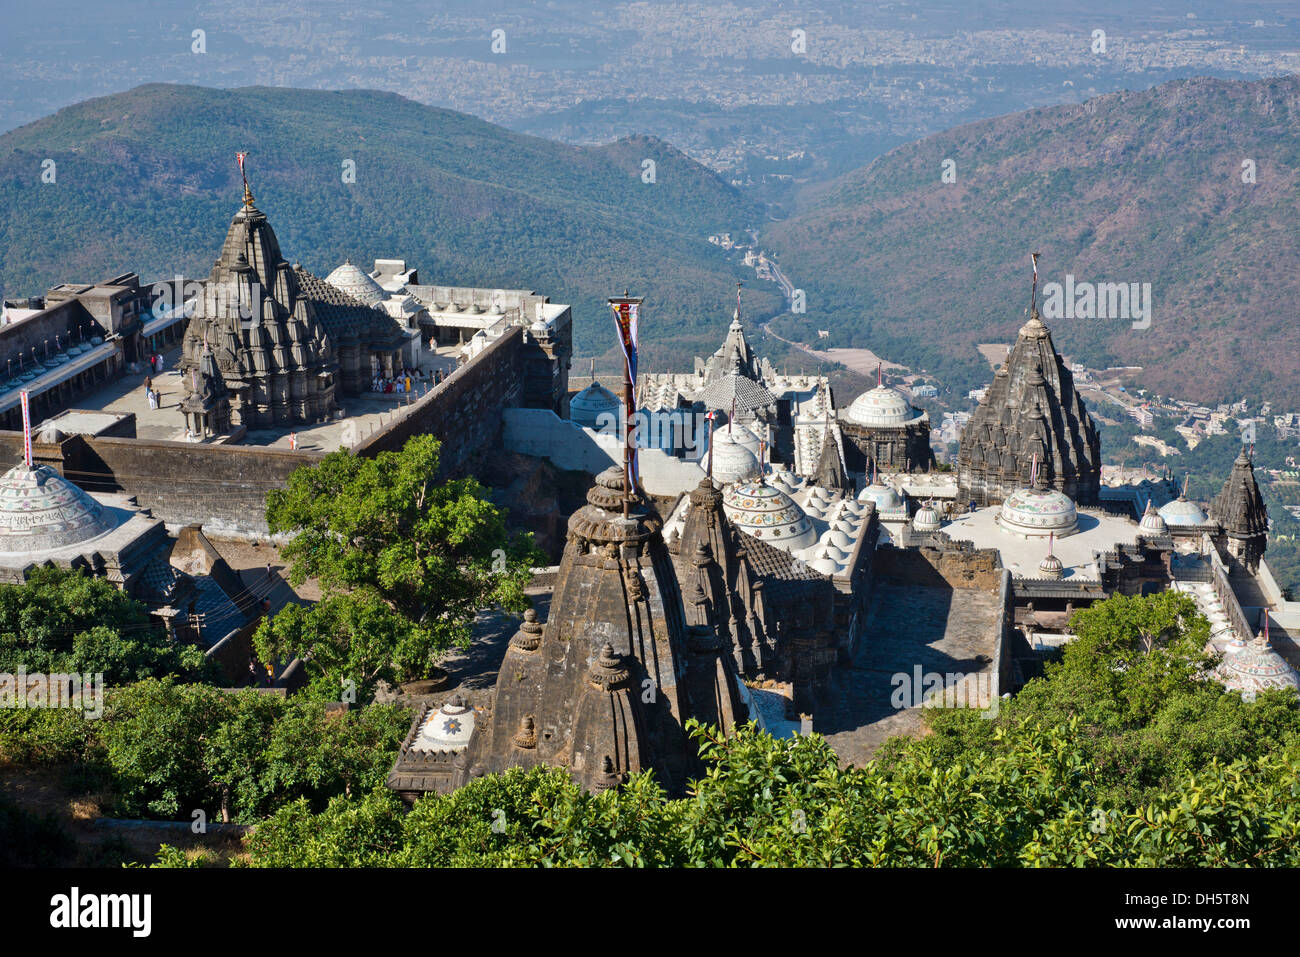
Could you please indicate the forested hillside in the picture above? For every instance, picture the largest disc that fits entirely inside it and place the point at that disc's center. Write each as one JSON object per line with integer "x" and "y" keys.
{"x": 146, "y": 180}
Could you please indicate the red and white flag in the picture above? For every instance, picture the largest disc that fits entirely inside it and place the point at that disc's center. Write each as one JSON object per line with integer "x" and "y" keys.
{"x": 241, "y": 157}
{"x": 27, "y": 428}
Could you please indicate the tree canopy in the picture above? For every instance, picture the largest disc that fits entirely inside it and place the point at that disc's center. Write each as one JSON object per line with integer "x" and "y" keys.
{"x": 405, "y": 561}
{"x": 65, "y": 621}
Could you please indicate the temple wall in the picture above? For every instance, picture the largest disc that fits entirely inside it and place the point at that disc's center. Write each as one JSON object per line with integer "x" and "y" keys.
{"x": 465, "y": 410}
{"x": 957, "y": 568}
{"x": 541, "y": 433}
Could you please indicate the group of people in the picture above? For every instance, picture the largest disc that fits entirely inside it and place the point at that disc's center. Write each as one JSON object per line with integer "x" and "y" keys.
{"x": 407, "y": 380}
{"x": 156, "y": 365}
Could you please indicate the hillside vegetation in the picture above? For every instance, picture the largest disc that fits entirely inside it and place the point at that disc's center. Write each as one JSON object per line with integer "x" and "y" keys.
{"x": 146, "y": 180}
{"x": 1129, "y": 187}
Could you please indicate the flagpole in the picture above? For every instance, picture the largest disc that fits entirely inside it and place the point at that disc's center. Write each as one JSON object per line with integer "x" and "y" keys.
{"x": 27, "y": 429}
{"x": 626, "y": 310}
{"x": 710, "y": 418}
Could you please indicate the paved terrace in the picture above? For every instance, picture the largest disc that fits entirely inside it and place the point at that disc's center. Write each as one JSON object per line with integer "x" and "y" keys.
{"x": 367, "y": 410}
{"x": 940, "y": 629}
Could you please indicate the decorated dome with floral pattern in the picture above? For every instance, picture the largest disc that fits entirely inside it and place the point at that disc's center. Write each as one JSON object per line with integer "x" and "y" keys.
{"x": 1038, "y": 512}
{"x": 758, "y": 509}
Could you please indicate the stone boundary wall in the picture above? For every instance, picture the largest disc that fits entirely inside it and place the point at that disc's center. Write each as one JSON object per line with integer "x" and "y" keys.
{"x": 465, "y": 410}
{"x": 223, "y": 487}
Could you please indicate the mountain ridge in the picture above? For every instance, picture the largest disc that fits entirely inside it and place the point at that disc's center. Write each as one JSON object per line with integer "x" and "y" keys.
{"x": 146, "y": 180}
{"x": 1130, "y": 186}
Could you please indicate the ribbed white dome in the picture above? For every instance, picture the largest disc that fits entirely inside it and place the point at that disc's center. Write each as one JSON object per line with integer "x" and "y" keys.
{"x": 1152, "y": 523}
{"x": 884, "y": 497}
{"x": 732, "y": 462}
{"x": 882, "y": 406}
{"x": 743, "y": 436}
{"x": 1182, "y": 512}
{"x": 42, "y": 511}
{"x": 357, "y": 283}
{"x": 926, "y": 519}
{"x": 587, "y": 406}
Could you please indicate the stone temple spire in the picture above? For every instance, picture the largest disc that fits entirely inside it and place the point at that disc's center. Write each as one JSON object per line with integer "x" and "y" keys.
{"x": 830, "y": 468}
{"x": 601, "y": 678}
{"x": 1240, "y": 509}
{"x": 267, "y": 342}
{"x": 1031, "y": 406}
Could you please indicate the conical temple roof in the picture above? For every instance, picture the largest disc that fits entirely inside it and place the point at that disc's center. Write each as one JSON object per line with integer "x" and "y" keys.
{"x": 830, "y": 469}
{"x": 1240, "y": 508}
{"x": 1031, "y": 407}
{"x": 42, "y": 511}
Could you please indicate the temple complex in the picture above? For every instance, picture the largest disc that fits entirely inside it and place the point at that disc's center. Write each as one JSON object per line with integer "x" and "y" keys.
{"x": 780, "y": 559}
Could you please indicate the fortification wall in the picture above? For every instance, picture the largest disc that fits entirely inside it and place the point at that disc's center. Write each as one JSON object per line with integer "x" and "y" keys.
{"x": 223, "y": 487}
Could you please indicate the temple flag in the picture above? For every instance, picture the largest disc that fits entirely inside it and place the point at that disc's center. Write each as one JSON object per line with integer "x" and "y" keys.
{"x": 625, "y": 320}
{"x": 27, "y": 428}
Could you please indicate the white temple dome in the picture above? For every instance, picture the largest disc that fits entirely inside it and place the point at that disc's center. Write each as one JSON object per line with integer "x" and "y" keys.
{"x": 357, "y": 283}
{"x": 41, "y": 511}
{"x": 587, "y": 406}
{"x": 447, "y": 729}
{"x": 882, "y": 406}
{"x": 884, "y": 496}
{"x": 1256, "y": 666}
{"x": 732, "y": 462}
{"x": 1038, "y": 512}
{"x": 768, "y": 513}
{"x": 1182, "y": 512}
{"x": 1152, "y": 523}
{"x": 743, "y": 436}
{"x": 927, "y": 519}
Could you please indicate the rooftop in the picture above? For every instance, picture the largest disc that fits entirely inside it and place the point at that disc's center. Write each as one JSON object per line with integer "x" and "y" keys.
{"x": 1098, "y": 532}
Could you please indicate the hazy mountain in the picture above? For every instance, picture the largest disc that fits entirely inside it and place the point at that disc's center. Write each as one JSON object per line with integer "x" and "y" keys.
{"x": 1130, "y": 187}
{"x": 146, "y": 180}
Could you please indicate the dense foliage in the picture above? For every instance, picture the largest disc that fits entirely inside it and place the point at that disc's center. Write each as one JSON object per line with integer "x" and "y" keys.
{"x": 405, "y": 561}
{"x": 63, "y": 621}
{"x": 1122, "y": 755}
{"x": 165, "y": 750}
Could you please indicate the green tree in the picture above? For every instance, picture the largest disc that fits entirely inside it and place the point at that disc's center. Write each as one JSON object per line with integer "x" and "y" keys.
{"x": 174, "y": 749}
{"x": 62, "y": 620}
{"x": 406, "y": 562}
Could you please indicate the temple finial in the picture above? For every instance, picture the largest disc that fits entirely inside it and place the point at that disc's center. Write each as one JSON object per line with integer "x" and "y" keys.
{"x": 248, "y": 194}
{"x": 1033, "y": 289}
